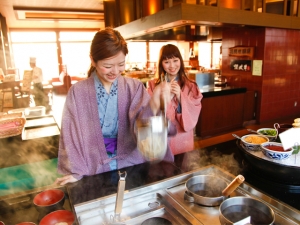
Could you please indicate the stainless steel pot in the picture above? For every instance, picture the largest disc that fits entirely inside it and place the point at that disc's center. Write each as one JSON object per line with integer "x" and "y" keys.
{"x": 152, "y": 137}
{"x": 205, "y": 190}
{"x": 235, "y": 209}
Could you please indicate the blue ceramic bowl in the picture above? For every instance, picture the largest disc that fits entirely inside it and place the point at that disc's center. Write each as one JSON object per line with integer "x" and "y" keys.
{"x": 261, "y": 131}
{"x": 278, "y": 155}
{"x": 253, "y": 146}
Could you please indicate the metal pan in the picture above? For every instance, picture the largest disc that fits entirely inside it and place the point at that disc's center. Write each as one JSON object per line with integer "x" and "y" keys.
{"x": 235, "y": 209}
{"x": 209, "y": 190}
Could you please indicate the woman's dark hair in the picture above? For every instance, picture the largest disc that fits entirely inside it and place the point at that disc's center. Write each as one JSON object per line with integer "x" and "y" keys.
{"x": 105, "y": 44}
{"x": 170, "y": 51}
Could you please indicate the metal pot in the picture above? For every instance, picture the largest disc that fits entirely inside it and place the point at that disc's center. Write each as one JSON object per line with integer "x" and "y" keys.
{"x": 152, "y": 137}
{"x": 205, "y": 190}
{"x": 209, "y": 190}
{"x": 235, "y": 209}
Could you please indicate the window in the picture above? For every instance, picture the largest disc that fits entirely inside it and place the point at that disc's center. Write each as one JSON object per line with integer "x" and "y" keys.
{"x": 41, "y": 45}
{"x": 74, "y": 48}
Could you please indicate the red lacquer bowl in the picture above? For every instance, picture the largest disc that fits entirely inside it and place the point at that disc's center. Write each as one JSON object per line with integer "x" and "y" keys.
{"x": 59, "y": 216}
{"x": 49, "y": 200}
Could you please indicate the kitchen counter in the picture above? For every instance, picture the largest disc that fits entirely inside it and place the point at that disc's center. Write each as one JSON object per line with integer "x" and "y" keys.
{"x": 224, "y": 109}
{"x": 225, "y": 155}
{"x": 221, "y": 91}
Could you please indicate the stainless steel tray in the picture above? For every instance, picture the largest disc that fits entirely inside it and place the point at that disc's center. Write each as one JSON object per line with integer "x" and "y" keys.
{"x": 166, "y": 199}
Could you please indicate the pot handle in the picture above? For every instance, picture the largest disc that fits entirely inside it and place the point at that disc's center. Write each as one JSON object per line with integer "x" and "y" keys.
{"x": 233, "y": 185}
{"x": 120, "y": 194}
{"x": 188, "y": 197}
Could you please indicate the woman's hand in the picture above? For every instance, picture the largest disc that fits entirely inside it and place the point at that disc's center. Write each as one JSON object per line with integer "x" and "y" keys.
{"x": 161, "y": 96}
{"x": 175, "y": 89}
{"x": 65, "y": 179}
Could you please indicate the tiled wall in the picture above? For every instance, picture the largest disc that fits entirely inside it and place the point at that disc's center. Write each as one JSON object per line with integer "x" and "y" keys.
{"x": 279, "y": 86}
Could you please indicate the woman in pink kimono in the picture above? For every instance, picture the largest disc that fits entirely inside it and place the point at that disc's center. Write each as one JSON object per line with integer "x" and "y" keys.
{"x": 97, "y": 132}
{"x": 185, "y": 105}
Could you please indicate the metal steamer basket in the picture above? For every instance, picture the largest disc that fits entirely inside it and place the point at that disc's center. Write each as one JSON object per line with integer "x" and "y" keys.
{"x": 152, "y": 137}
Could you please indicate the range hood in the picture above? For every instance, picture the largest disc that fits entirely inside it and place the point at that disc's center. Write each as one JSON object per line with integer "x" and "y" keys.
{"x": 172, "y": 23}
{"x": 183, "y": 33}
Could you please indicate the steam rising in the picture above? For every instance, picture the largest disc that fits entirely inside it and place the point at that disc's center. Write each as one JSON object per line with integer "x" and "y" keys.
{"x": 218, "y": 156}
{"x": 27, "y": 164}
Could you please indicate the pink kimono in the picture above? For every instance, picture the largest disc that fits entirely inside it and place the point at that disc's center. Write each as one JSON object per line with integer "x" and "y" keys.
{"x": 185, "y": 121}
{"x": 81, "y": 148}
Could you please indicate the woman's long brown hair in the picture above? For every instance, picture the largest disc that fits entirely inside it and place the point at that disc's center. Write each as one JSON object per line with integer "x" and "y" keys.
{"x": 170, "y": 51}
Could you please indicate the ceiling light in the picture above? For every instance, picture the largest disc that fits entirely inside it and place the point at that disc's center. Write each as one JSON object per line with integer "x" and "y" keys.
{"x": 26, "y": 13}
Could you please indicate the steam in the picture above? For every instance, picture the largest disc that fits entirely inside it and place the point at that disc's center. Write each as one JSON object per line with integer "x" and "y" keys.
{"x": 27, "y": 164}
{"x": 204, "y": 157}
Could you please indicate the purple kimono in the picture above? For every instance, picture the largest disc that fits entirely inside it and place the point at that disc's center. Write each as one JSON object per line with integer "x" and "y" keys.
{"x": 81, "y": 147}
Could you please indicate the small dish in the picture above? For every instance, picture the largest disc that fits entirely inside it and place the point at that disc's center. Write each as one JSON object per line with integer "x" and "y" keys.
{"x": 252, "y": 141}
{"x": 49, "y": 200}
{"x": 271, "y": 133}
{"x": 59, "y": 216}
{"x": 274, "y": 150}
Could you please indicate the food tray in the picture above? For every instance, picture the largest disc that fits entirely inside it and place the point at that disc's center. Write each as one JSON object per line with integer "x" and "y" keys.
{"x": 38, "y": 132}
{"x": 40, "y": 121}
{"x": 277, "y": 170}
{"x": 293, "y": 160}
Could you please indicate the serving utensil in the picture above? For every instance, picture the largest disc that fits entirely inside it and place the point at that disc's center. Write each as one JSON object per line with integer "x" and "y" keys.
{"x": 116, "y": 218}
{"x": 152, "y": 135}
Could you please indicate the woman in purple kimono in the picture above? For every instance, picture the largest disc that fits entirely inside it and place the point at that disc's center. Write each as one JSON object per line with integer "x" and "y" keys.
{"x": 97, "y": 131}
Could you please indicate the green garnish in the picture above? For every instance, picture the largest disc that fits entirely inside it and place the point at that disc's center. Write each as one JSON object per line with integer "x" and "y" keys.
{"x": 268, "y": 132}
{"x": 296, "y": 150}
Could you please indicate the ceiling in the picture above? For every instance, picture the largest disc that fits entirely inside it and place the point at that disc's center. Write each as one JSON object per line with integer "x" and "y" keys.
{"x": 45, "y": 13}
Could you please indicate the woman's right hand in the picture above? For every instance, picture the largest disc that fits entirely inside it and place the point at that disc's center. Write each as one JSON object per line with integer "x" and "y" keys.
{"x": 161, "y": 92}
{"x": 65, "y": 179}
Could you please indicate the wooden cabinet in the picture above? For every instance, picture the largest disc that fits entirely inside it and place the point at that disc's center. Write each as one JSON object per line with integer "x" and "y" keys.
{"x": 220, "y": 114}
{"x": 225, "y": 111}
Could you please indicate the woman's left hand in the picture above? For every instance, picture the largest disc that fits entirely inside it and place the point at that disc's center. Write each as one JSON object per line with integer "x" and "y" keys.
{"x": 65, "y": 179}
{"x": 175, "y": 89}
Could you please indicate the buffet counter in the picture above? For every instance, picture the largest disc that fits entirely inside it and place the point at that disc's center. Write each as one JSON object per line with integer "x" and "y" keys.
{"x": 224, "y": 109}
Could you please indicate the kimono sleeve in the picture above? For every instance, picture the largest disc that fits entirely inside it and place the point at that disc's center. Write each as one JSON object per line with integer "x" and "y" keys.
{"x": 70, "y": 156}
{"x": 190, "y": 107}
